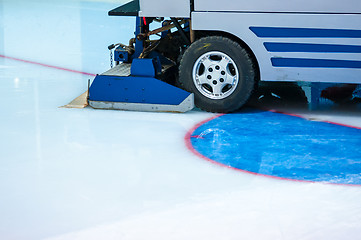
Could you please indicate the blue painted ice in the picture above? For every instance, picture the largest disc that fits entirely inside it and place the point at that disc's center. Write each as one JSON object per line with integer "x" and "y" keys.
{"x": 282, "y": 146}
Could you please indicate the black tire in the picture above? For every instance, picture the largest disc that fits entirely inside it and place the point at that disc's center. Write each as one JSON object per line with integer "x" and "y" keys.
{"x": 236, "y": 84}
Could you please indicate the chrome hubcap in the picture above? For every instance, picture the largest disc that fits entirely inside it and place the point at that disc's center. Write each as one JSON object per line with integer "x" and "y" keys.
{"x": 215, "y": 75}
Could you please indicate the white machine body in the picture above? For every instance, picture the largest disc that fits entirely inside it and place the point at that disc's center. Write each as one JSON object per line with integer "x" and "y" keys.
{"x": 308, "y": 40}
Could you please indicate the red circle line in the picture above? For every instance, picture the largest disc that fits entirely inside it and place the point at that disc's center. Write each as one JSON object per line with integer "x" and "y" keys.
{"x": 46, "y": 65}
{"x": 190, "y": 147}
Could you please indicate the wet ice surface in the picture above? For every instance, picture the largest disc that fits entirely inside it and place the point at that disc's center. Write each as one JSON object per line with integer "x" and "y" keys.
{"x": 62, "y": 169}
{"x": 94, "y": 174}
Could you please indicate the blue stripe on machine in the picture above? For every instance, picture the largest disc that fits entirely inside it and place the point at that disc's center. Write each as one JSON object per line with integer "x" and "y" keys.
{"x": 314, "y": 63}
{"x": 307, "y": 47}
{"x": 281, "y": 32}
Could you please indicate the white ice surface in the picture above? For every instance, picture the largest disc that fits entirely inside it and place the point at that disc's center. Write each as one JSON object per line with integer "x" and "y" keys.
{"x": 93, "y": 174}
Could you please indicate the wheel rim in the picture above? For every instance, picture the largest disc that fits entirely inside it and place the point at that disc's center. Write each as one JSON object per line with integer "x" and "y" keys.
{"x": 215, "y": 75}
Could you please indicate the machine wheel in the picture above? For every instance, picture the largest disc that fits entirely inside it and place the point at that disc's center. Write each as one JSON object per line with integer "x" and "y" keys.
{"x": 219, "y": 72}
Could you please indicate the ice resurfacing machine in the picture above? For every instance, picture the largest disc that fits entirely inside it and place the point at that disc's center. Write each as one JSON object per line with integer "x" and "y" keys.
{"x": 214, "y": 53}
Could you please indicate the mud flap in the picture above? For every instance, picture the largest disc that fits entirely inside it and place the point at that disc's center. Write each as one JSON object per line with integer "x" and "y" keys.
{"x": 79, "y": 102}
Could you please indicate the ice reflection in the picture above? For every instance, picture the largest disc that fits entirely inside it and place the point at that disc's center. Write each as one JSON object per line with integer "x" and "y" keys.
{"x": 16, "y": 82}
